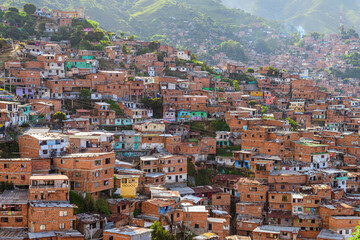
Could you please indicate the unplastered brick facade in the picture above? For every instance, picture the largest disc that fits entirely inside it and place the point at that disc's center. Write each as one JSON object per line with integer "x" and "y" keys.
{"x": 88, "y": 172}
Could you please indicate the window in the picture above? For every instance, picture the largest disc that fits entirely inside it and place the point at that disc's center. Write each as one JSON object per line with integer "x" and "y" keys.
{"x": 18, "y": 219}
{"x": 42, "y": 227}
{"x": 97, "y": 162}
{"x": 63, "y": 213}
{"x": 284, "y": 198}
{"x": 197, "y": 225}
{"x": 107, "y": 160}
{"x": 218, "y": 197}
{"x": 281, "y": 206}
{"x": 4, "y": 219}
{"x": 253, "y": 189}
{"x": 111, "y": 238}
{"x": 62, "y": 161}
{"x": 62, "y": 225}
{"x": 187, "y": 215}
{"x": 6, "y": 165}
{"x": 77, "y": 185}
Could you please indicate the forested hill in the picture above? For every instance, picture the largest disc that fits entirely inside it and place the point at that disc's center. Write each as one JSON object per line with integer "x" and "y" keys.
{"x": 313, "y": 15}
{"x": 181, "y": 23}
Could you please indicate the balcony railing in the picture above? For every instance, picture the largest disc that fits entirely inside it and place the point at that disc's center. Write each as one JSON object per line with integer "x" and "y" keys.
{"x": 43, "y": 186}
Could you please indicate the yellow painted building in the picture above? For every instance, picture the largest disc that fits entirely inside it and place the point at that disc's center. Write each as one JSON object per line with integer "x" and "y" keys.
{"x": 128, "y": 185}
{"x": 298, "y": 107}
{"x": 256, "y": 94}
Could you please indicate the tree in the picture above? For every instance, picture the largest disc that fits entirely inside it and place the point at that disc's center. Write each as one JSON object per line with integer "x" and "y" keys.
{"x": 89, "y": 203}
{"x": 236, "y": 85}
{"x": 218, "y": 125}
{"x": 252, "y": 103}
{"x": 233, "y": 50}
{"x": 191, "y": 170}
{"x": 115, "y": 107}
{"x": 272, "y": 71}
{"x": 159, "y": 232}
{"x": 316, "y": 35}
{"x": 131, "y": 38}
{"x": 102, "y": 206}
{"x": 85, "y": 94}
{"x": 95, "y": 36}
{"x": 29, "y": 8}
{"x": 6, "y": 186}
{"x": 41, "y": 27}
{"x": 351, "y": 32}
{"x": 77, "y": 36}
{"x": 13, "y": 9}
{"x": 85, "y": 45}
{"x": 78, "y": 200}
{"x": 261, "y": 46}
{"x": 264, "y": 110}
{"x": 85, "y": 97}
{"x": 60, "y": 117}
{"x": 294, "y": 125}
{"x": 250, "y": 70}
{"x": 356, "y": 234}
{"x": 156, "y": 104}
{"x": 125, "y": 49}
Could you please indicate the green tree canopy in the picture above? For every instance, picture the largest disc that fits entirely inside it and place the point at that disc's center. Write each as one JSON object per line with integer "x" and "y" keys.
{"x": 13, "y": 9}
{"x": 261, "y": 46}
{"x": 252, "y": 103}
{"x": 60, "y": 117}
{"x": 250, "y": 70}
{"x": 272, "y": 71}
{"x": 236, "y": 85}
{"x": 159, "y": 232}
{"x": 233, "y": 50}
{"x": 156, "y": 104}
{"x": 41, "y": 27}
{"x": 264, "y": 109}
{"x": 29, "y": 8}
{"x": 294, "y": 125}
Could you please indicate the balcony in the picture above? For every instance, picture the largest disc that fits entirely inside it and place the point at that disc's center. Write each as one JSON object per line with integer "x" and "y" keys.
{"x": 11, "y": 213}
{"x": 45, "y": 186}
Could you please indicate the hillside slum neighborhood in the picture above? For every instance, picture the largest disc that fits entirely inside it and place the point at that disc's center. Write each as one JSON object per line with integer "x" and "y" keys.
{"x": 282, "y": 152}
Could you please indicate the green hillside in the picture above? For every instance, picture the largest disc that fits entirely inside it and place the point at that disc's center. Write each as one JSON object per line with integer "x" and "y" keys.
{"x": 182, "y": 23}
{"x": 313, "y": 15}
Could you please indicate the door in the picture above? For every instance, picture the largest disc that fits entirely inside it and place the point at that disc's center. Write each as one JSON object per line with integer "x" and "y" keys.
{"x": 177, "y": 178}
